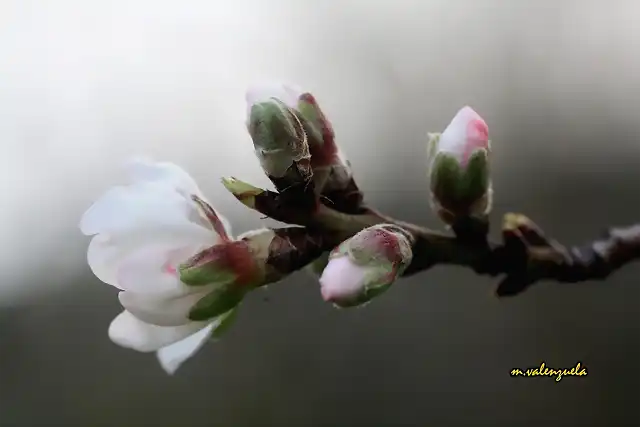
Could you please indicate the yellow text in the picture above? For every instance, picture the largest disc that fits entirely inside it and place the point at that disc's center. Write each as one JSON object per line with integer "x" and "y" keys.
{"x": 543, "y": 371}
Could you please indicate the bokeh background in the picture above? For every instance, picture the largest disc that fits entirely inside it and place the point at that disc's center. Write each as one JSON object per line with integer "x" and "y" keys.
{"x": 86, "y": 84}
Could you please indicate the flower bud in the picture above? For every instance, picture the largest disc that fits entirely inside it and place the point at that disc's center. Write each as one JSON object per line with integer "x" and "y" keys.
{"x": 231, "y": 269}
{"x": 333, "y": 176}
{"x": 366, "y": 265}
{"x": 459, "y": 167}
{"x": 226, "y": 269}
{"x": 279, "y": 138}
{"x": 281, "y": 144}
{"x": 322, "y": 136}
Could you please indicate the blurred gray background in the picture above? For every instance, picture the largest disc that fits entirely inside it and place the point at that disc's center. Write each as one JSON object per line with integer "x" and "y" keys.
{"x": 86, "y": 84}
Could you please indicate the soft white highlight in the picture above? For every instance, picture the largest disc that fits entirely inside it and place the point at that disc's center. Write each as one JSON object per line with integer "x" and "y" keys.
{"x": 342, "y": 280}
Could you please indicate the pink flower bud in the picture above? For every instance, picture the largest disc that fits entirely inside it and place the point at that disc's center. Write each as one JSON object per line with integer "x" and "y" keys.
{"x": 459, "y": 168}
{"x": 342, "y": 279}
{"x": 466, "y": 133}
{"x": 365, "y": 265}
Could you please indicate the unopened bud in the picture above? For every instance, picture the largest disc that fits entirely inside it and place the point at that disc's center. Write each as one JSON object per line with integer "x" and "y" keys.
{"x": 366, "y": 265}
{"x": 279, "y": 139}
{"x": 459, "y": 167}
{"x": 230, "y": 269}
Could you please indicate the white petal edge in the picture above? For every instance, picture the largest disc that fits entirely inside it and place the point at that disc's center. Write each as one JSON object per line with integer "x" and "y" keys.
{"x": 454, "y": 138}
{"x": 143, "y": 169}
{"x": 168, "y": 309}
{"x": 128, "y": 331}
{"x": 121, "y": 209}
{"x": 173, "y": 356}
{"x": 106, "y": 253}
{"x": 159, "y": 195}
{"x": 154, "y": 270}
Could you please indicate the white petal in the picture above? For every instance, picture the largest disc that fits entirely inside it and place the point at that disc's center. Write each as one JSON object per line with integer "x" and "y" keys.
{"x": 456, "y": 137}
{"x": 342, "y": 279}
{"x": 145, "y": 205}
{"x": 103, "y": 259}
{"x": 106, "y": 253}
{"x": 154, "y": 269}
{"x": 128, "y": 331}
{"x": 154, "y": 223}
{"x": 167, "y": 309}
{"x": 141, "y": 169}
{"x": 171, "y": 357}
{"x": 286, "y": 93}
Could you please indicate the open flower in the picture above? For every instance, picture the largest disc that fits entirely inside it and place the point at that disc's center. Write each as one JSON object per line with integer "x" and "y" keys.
{"x": 144, "y": 233}
{"x": 459, "y": 167}
{"x": 365, "y": 265}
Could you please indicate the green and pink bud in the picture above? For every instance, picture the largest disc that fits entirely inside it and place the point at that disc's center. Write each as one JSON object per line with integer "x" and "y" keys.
{"x": 281, "y": 142}
{"x": 459, "y": 168}
{"x": 229, "y": 270}
{"x": 333, "y": 175}
{"x": 305, "y": 108}
{"x": 295, "y": 143}
{"x": 366, "y": 265}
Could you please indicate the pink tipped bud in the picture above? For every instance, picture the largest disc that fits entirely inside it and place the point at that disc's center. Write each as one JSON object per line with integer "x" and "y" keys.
{"x": 466, "y": 133}
{"x": 365, "y": 265}
{"x": 342, "y": 279}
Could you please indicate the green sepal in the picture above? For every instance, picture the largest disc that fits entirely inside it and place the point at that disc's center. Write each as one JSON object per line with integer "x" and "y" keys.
{"x": 269, "y": 125}
{"x": 379, "y": 276}
{"x": 364, "y": 248}
{"x": 432, "y": 145}
{"x": 365, "y": 255}
{"x": 275, "y": 162}
{"x": 243, "y": 191}
{"x": 206, "y": 274}
{"x": 278, "y": 136}
{"x": 378, "y": 280}
{"x": 311, "y": 120}
{"x": 446, "y": 176}
{"x": 217, "y": 302}
{"x": 375, "y": 291}
{"x": 340, "y": 250}
{"x": 475, "y": 180}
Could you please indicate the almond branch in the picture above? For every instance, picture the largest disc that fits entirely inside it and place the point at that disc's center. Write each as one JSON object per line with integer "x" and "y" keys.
{"x": 315, "y": 189}
{"x": 524, "y": 257}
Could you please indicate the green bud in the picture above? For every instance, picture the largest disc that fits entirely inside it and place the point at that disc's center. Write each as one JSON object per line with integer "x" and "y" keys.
{"x": 278, "y": 137}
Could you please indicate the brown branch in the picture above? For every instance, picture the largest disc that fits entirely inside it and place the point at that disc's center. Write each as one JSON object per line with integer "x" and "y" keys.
{"x": 330, "y": 214}
{"x": 525, "y": 255}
